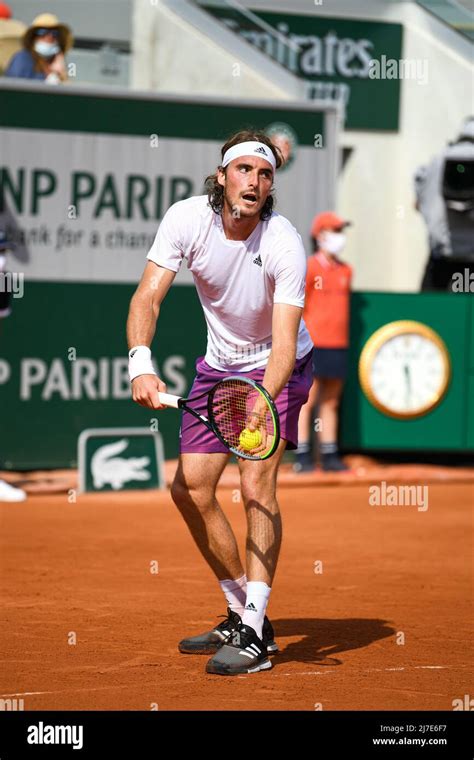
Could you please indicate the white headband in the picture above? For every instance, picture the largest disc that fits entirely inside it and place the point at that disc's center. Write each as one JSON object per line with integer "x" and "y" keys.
{"x": 251, "y": 148}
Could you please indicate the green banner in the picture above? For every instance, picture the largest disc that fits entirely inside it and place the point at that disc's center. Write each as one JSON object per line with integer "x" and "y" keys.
{"x": 63, "y": 368}
{"x": 335, "y": 58}
{"x": 120, "y": 115}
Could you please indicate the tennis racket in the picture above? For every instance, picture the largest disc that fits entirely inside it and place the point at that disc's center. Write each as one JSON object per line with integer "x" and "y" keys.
{"x": 240, "y": 412}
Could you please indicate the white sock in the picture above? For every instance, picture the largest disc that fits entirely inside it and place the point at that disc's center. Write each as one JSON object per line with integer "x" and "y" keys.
{"x": 235, "y": 593}
{"x": 258, "y": 594}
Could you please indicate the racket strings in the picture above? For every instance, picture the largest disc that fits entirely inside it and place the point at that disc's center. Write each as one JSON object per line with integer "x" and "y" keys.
{"x": 233, "y": 403}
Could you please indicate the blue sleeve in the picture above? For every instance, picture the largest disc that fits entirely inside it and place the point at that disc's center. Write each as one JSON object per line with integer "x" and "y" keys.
{"x": 21, "y": 65}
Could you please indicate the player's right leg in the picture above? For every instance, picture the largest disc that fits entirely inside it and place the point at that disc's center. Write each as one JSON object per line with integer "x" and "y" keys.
{"x": 194, "y": 493}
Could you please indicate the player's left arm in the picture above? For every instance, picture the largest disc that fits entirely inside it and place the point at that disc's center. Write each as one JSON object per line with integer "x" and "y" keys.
{"x": 285, "y": 324}
{"x": 289, "y": 271}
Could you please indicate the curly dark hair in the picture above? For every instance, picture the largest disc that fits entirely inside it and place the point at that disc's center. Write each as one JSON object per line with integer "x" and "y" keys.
{"x": 215, "y": 192}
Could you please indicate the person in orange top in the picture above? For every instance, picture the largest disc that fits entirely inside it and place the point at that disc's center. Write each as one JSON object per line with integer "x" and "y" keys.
{"x": 326, "y": 315}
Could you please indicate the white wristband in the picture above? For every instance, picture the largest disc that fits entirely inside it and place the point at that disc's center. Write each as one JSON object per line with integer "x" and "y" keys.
{"x": 139, "y": 362}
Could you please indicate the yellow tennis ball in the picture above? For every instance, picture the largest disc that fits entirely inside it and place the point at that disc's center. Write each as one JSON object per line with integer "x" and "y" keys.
{"x": 250, "y": 439}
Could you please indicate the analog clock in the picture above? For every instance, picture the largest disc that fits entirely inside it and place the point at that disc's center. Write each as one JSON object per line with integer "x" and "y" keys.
{"x": 404, "y": 369}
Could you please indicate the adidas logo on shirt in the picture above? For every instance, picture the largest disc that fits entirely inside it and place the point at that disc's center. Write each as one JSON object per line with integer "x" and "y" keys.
{"x": 251, "y": 606}
{"x": 258, "y": 261}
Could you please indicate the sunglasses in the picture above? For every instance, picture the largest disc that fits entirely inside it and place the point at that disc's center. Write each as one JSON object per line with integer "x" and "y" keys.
{"x": 44, "y": 32}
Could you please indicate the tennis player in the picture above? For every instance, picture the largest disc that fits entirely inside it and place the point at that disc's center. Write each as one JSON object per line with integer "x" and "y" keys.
{"x": 249, "y": 266}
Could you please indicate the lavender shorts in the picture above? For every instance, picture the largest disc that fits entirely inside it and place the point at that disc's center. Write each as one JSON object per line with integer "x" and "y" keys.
{"x": 195, "y": 438}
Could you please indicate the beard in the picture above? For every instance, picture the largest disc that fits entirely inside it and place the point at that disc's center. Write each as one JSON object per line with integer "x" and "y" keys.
{"x": 240, "y": 209}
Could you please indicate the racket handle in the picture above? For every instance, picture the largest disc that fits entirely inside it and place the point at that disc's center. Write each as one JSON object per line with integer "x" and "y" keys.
{"x": 169, "y": 400}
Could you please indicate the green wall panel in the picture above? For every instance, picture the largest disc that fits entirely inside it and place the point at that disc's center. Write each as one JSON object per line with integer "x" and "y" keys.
{"x": 40, "y": 429}
{"x": 444, "y": 428}
{"x": 65, "y": 343}
{"x": 470, "y": 343}
{"x": 470, "y": 413}
{"x": 131, "y": 116}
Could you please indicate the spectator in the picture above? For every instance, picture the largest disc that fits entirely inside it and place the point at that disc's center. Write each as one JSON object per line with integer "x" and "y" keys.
{"x": 11, "y": 34}
{"x": 284, "y": 138}
{"x": 45, "y": 44}
{"x": 326, "y": 315}
{"x": 7, "y": 492}
{"x": 445, "y": 197}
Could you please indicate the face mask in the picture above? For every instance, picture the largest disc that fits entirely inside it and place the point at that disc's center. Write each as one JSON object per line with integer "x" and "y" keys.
{"x": 334, "y": 242}
{"x": 46, "y": 49}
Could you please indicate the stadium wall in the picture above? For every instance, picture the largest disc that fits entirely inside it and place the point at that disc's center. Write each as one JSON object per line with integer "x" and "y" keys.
{"x": 84, "y": 182}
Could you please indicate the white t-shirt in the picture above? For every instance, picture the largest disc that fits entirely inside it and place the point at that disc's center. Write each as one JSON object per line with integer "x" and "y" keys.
{"x": 238, "y": 281}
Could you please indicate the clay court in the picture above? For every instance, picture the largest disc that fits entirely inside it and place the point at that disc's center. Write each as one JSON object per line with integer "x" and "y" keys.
{"x": 390, "y": 574}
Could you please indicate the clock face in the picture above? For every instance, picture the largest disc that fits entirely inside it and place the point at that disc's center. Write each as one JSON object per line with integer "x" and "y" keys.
{"x": 405, "y": 369}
